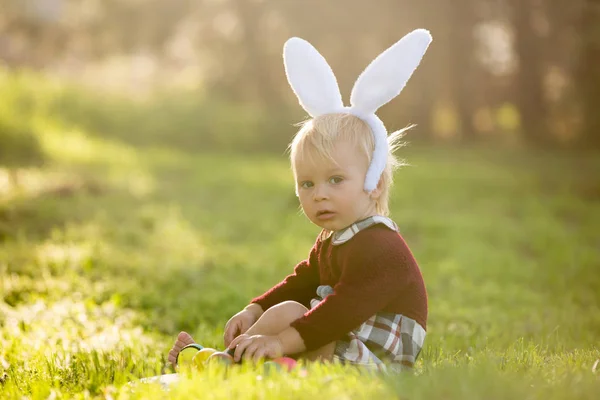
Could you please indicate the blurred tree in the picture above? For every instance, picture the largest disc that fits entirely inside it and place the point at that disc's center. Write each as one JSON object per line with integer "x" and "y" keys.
{"x": 588, "y": 73}
{"x": 253, "y": 81}
{"x": 463, "y": 69}
{"x": 234, "y": 47}
{"x": 37, "y": 33}
{"x": 529, "y": 80}
{"x": 30, "y": 32}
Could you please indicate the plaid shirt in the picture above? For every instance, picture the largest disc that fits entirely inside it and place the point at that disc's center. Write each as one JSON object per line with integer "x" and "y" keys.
{"x": 386, "y": 341}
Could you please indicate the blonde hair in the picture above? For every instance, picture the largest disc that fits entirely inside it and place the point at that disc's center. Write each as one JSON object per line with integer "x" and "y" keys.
{"x": 318, "y": 136}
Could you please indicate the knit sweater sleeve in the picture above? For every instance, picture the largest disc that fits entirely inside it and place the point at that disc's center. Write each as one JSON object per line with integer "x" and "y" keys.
{"x": 373, "y": 273}
{"x": 299, "y": 286}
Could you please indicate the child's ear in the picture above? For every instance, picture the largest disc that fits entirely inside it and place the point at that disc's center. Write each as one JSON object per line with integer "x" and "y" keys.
{"x": 376, "y": 193}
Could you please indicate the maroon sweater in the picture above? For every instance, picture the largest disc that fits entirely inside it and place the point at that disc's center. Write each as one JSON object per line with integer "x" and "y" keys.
{"x": 373, "y": 272}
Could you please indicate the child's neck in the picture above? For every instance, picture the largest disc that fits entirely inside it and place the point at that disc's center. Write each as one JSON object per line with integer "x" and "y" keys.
{"x": 327, "y": 232}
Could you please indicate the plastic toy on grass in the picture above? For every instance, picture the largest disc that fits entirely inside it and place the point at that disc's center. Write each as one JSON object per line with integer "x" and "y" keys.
{"x": 208, "y": 357}
{"x": 199, "y": 360}
{"x": 186, "y": 354}
{"x": 220, "y": 357}
{"x": 270, "y": 367}
{"x": 202, "y": 358}
{"x": 286, "y": 362}
{"x": 280, "y": 364}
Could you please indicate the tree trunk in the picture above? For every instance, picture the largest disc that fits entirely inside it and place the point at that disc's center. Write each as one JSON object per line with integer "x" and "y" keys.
{"x": 589, "y": 74}
{"x": 256, "y": 78}
{"x": 461, "y": 62}
{"x": 530, "y": 100}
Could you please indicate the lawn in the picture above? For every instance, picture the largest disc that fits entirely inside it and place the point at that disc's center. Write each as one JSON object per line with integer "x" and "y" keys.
{"x": 112, "y": 248}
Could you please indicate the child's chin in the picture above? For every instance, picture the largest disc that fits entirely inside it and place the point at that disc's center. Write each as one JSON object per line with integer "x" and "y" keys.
{"x": 329, "y": 225}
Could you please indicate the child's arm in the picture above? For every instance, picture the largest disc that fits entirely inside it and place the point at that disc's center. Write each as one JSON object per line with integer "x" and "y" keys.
{"x": 255, "y": 309}
{"x": 298, "y": 286}
{"x": 374, "y": 273}
{"x": 241, "y": 322}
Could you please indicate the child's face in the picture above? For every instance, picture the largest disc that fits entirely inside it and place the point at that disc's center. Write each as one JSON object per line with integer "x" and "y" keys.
{"x": 332, "y": 194}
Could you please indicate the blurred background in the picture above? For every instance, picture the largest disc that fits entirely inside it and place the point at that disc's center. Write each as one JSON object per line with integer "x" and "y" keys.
{"x": 145, "y": 188}
{"x": 515, "y": 72}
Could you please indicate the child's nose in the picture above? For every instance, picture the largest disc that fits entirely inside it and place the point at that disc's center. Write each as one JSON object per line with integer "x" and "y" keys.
{"x": 320, "y": 193}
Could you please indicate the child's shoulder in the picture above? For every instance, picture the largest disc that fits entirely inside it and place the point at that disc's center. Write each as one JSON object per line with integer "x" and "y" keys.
{"x": 376, "y": 247}
{"x": 376, "y": 234}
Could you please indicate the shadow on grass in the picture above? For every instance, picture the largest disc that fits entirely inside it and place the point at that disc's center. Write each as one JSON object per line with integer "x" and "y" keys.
{"x": 36, "y": 216}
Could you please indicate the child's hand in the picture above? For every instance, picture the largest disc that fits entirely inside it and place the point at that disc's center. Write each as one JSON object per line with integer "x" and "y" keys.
{"x": 256, "y": 347}
{"x": 238, "y": 324}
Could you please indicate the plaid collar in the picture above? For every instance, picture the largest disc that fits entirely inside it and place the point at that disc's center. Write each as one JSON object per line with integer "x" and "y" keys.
{"x": 343, "y": 235}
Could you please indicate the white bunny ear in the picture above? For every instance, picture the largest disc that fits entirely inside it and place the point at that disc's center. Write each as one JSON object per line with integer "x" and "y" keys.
{"x": 387, "y": 74}
{"x": 311, "y": 78}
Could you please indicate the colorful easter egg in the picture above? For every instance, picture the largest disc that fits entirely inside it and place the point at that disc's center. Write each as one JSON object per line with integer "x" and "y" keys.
{"x": 270, "y": 367}
{"x": 200, "y": 358}
{"x": 286, "y": 363}
{"x": 187, "y": 353}
{"x": 220, "y": 357}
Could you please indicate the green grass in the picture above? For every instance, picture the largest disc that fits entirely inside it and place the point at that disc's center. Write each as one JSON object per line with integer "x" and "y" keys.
{"x": 113, "y": 247}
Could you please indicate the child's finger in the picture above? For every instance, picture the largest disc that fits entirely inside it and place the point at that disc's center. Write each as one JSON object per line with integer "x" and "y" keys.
{"x": 230, "y": 333}
{"x": 236, "y": 341}
{"x": 241, "y": 348}
{"x": 227, "y": 337}
{"x": 234, "y": 332}
{"x": 259, "y": 354}
{"x": 250, "y": 350}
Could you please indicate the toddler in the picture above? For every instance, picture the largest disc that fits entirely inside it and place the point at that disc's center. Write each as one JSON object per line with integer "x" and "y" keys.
{"x": 359, "y": 297}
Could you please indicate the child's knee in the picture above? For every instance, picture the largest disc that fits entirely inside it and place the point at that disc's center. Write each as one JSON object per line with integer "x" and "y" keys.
{"x": 289, "y": 309}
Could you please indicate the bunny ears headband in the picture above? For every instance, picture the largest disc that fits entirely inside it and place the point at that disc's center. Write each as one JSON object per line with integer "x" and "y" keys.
{"x": 314, "y": 83}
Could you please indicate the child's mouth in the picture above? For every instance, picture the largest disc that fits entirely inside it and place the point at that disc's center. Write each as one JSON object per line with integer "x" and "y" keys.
{"x": 324, "y": 215}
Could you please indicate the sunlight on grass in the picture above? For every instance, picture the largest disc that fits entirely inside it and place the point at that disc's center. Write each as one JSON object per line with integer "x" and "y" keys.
{"x": 101, "y": 295}
{"x": 117, "y": 242}
{"x": 122, "y": 162}
{"x": 68, "y": 254}
{"x": 35, "y": 181}
{"x": 64, "y": 344}
{"x": 70, "y": 325}
{"x": 170, "y": 239}
{"x": 319, "y": 381}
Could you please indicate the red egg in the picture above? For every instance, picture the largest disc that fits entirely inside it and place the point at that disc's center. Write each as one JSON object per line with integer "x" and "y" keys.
{"x": 286, "y": 362}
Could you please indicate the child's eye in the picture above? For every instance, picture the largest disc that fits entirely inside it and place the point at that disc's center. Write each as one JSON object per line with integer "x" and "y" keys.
{"x": 335, "y": 179}
{"x": 306, "y": 184}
